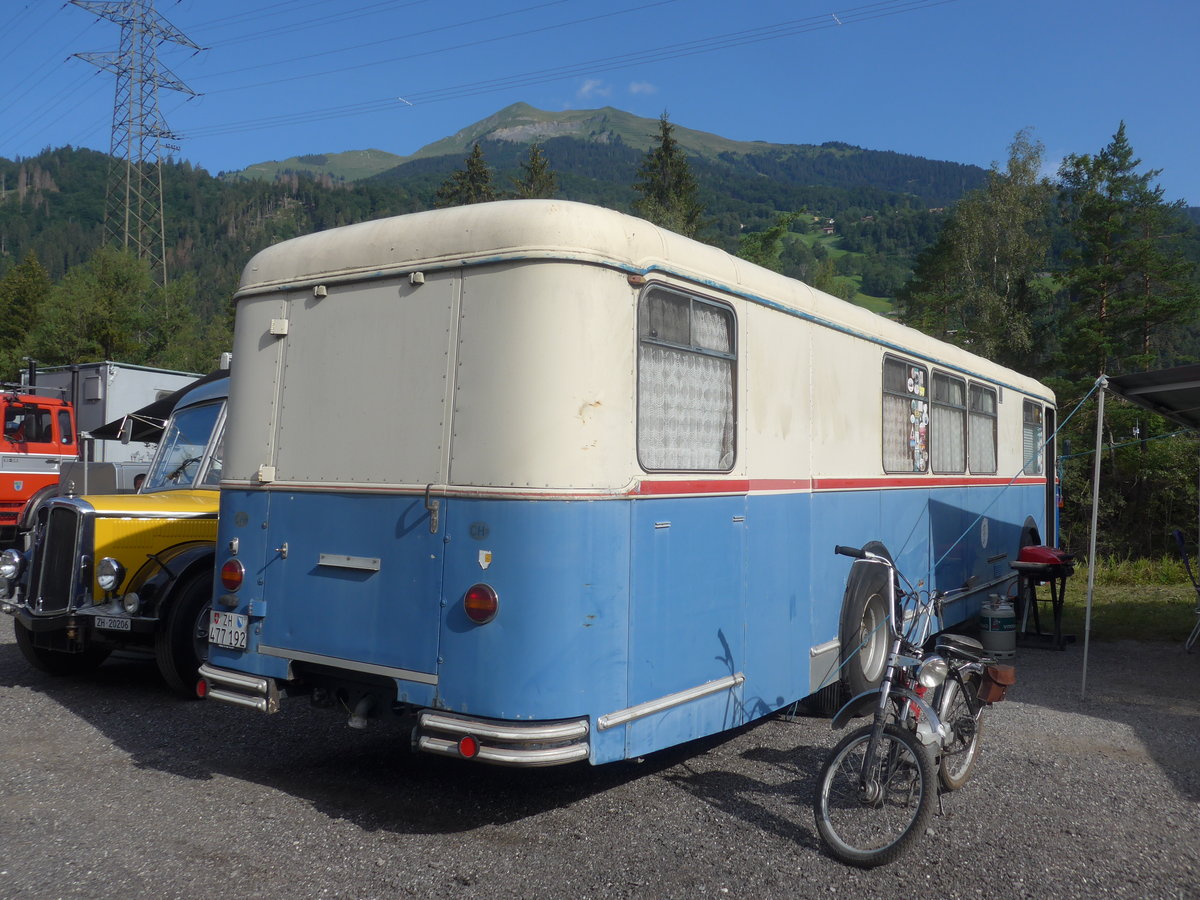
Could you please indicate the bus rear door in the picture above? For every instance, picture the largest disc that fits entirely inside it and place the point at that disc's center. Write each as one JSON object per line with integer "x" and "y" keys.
{"x": 354, "y": 574}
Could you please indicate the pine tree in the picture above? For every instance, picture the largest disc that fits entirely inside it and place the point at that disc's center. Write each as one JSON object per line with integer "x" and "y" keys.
{"x": 765, "y": 248}
{"x": 669, "y": 194}
{"x": 471, "y": 184}
{"x": 537, "y": 179}
{"x": 1125, "y": 282}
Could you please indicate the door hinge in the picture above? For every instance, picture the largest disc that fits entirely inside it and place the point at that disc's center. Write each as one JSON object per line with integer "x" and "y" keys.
{"x": 433, "y": 506}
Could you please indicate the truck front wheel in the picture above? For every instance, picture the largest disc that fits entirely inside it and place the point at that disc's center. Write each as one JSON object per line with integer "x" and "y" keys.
{"x": 58, "y": 662}
{"x": 181, "y": 642}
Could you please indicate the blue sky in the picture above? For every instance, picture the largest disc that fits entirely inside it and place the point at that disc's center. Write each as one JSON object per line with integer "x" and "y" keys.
{"x": 944, "y": 79}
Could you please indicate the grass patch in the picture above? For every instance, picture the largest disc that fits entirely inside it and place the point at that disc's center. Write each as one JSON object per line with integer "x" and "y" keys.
{"x": 880, "y": 305}
{"x": 1126, "y": 605}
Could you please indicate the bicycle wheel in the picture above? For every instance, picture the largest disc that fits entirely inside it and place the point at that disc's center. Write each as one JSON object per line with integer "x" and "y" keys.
{"x": 873, "y": 827}
{"x": 966, "y": 725}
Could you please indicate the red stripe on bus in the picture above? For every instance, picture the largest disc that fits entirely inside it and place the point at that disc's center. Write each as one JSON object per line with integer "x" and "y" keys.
{"x": 919, "y": 481}
{"x": 763, "y": 485}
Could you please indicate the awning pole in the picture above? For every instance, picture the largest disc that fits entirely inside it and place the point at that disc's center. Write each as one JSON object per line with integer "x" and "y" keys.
{"x": 1102, "y": 382}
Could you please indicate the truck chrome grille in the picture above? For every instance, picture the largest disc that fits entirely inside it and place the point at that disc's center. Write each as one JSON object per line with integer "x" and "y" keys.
{"x": 54, "y": 579}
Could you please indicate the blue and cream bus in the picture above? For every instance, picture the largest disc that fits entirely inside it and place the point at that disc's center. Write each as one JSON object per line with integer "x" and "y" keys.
{"x": 556, "y": 484}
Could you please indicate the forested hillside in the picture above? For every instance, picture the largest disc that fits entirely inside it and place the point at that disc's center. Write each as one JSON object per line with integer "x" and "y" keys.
{"x": 1064, "y": 279}
{"x": 52, "y": 204}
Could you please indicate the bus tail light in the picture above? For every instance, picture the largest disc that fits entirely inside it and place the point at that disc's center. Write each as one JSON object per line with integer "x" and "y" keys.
{"x": 481, "y": 603}
{"x": 468, "y": 747}
{"x": 232, "y": 574}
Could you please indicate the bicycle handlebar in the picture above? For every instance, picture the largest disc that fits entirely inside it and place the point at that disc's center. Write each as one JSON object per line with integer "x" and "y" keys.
{"x": 850, "y": 551}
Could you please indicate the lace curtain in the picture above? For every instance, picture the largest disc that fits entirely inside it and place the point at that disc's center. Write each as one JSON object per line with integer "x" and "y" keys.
{"x": 982, "y": 431}
{"x": 1031, "y": 450}
{"x": 949, "y": 439}
{"x": 685, "y": 398}
{"x": 949, "y": 424}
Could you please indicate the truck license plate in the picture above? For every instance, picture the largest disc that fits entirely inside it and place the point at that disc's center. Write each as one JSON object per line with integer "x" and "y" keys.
{"x": 226, "y": 629}
{"x": 113, "y": 623}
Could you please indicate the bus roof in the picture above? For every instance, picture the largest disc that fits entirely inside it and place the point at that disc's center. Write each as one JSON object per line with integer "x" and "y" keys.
{"x": 508, "y": 230}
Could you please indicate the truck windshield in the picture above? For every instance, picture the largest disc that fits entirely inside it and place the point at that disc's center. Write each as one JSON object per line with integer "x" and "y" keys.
{"x": 181, "y": 454}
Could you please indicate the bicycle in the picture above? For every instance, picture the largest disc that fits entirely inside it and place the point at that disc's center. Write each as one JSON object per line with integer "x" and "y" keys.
{"x": 875, "y": 792}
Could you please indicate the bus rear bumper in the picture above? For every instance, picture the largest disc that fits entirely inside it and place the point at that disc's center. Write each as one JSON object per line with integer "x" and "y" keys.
{"x": 239, "y": 688}
{"x": 502, "y": 743}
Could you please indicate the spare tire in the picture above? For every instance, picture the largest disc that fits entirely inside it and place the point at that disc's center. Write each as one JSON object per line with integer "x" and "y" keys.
{"x": 863, "y": 631}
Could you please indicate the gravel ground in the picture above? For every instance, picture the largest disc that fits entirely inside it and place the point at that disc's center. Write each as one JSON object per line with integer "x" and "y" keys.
{"x": 113, "y": 788}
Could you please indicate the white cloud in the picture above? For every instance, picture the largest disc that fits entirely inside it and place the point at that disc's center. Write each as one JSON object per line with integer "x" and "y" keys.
{"x": 593, "y": 87}
{"x": 1051, "y": 166}
{"x": 642, "y": 87}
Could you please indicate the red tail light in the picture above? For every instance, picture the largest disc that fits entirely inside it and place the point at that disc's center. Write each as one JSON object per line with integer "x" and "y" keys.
{"x": 232, "y": 574}
{"x": 468, "y": 747}
{"x": 481, "y": 603}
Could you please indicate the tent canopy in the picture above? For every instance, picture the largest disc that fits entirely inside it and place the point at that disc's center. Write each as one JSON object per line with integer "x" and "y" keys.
{"x": 1172, "y": 393}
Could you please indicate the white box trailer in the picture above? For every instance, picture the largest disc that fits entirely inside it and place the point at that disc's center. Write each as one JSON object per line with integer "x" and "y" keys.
{"x": 105, "y": 391}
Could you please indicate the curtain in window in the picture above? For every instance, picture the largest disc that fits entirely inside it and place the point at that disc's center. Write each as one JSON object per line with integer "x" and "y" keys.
{"x": 983, "y": 444}
{"x": 685, "y": 407}
{"x": 897, "y": 434}
{"x": 949, "y": 439}
{"x": 1031, "y": 434}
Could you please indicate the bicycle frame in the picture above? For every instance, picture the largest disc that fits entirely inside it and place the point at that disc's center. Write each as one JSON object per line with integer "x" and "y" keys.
{"x": 930, "y": 728}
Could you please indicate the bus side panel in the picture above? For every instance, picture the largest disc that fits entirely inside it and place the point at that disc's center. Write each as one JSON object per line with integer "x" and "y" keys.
{"x": 687, "y": 614}
{"x": 955, "y": 545}
{"x": 976, "y": 535}
{"x": 898, "y": 518}
{"x": 779, "y": 627}
{"x": 557, "y": 646}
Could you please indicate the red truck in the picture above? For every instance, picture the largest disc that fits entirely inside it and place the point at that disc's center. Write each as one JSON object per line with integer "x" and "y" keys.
{"x": 39, "y": 435}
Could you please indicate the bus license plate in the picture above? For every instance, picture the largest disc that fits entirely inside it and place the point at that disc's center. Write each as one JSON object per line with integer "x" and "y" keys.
{"x": 226, "y": 629}
{"x": 113, "y": 623}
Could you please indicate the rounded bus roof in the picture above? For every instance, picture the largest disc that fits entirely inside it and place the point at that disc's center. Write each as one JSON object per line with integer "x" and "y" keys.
{"x": 513, "y": 230}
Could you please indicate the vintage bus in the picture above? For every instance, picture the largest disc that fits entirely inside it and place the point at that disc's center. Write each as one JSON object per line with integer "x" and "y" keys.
{"x": 557, "y": 484}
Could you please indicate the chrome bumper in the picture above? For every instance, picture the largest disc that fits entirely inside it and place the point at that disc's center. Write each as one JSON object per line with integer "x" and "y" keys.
{"x": 498, "y": 742}
{"x": 504, "y": 743}
{"x": 240, "y": 689}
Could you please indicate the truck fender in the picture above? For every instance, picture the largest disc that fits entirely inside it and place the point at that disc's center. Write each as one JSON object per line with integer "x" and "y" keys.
{"x": 33, "y": 504}
{"x": 156, "y": 581}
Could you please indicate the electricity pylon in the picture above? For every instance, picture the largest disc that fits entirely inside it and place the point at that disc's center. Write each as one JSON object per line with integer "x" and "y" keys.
{"x": 133, "y": 207}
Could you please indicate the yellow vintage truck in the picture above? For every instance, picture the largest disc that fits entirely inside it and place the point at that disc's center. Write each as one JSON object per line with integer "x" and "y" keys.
{"x": 128, "y": 571}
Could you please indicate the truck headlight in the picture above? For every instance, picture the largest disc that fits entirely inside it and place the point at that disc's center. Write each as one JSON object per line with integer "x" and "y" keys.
{"x": 11, "y": 562}
{"x": 109, "y": 574}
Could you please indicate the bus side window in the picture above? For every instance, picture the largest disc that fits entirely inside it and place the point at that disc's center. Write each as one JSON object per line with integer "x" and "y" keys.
{"x": 905, "y": 416}
{"x": 1031, "y": 438}
{"x": 982, "y": 430}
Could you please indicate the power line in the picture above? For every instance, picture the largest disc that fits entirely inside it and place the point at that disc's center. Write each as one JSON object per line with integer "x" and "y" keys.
{"x": 35, "y": 78}
{"x": 776, "y": 31}
{"x": 341, "y": 15}
{"x": 413, "y": 35}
